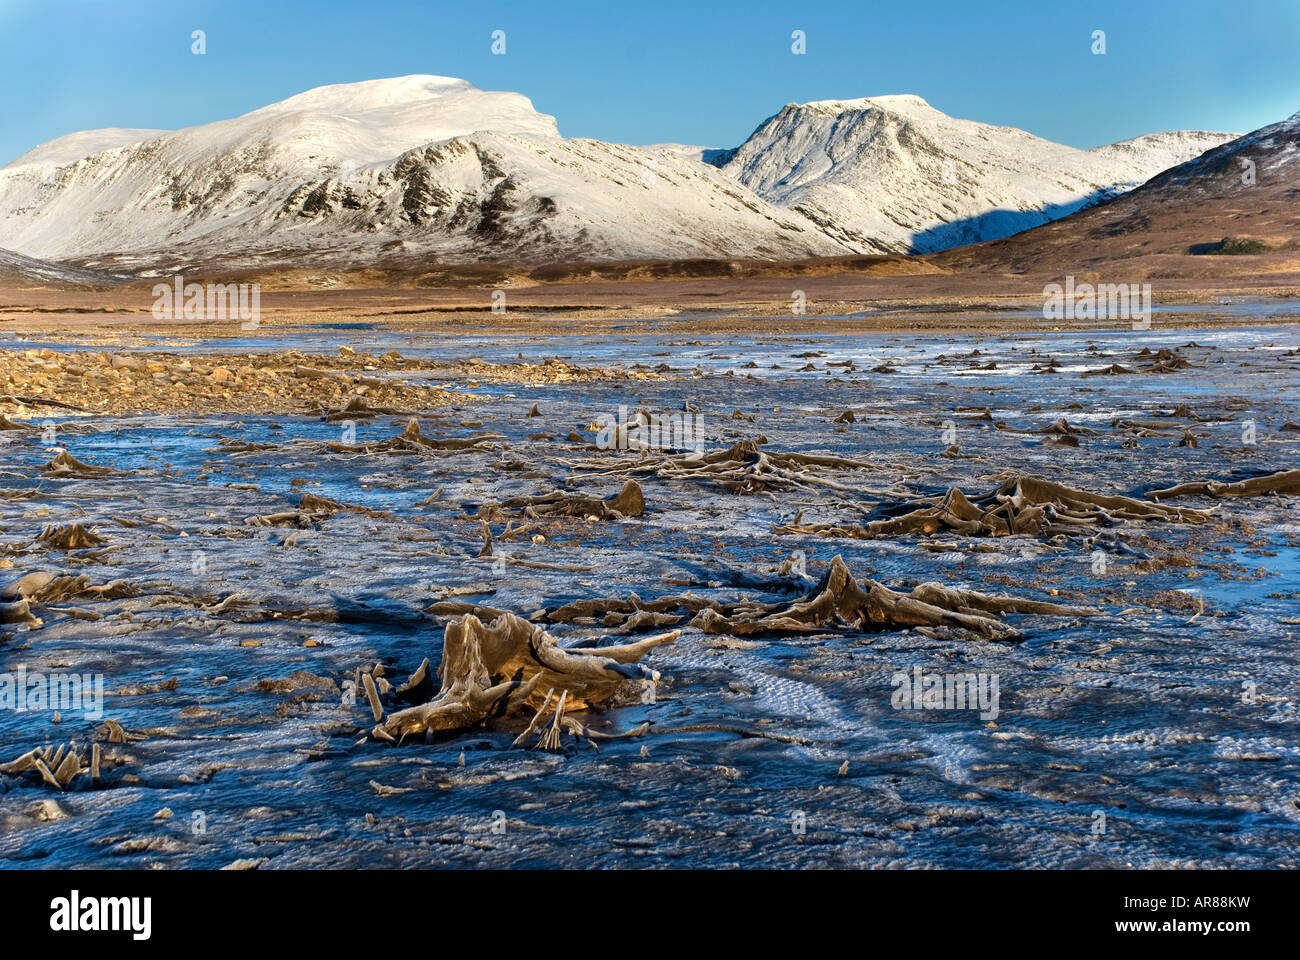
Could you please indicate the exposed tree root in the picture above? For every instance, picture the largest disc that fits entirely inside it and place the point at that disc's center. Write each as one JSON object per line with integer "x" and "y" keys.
{"x": 57, "y": 768}
{"x": 1163, "y": 360}
{"x": 72, "y": 537}
{"x": 739, "y": 731}
{"x": 357, "y": 409}
{"x": 18, "y": 611}
{"x": 840, "y": 602}
{"x": 311, "y": 510}
{"x": 42, "y": 586}
{"x": 1114, "y": 370}
{"x": 1148, "y": 428}
{"x": 837, "y": 602}
{"x": 460, "y": 608}
{"x": 1021, "y": 505}
{"x": 11, "y": 494}
{"x": 1061, "y": 428}
{"x": 66, "y": 465}
{"x": 495, "y": 669}
{"x": 35, "y": 591}
{"x": 1184, "y": 412}
{"x": 628, "y": 502}
{"x": 742, "y": 468}
{"x": 1286, "y": 481}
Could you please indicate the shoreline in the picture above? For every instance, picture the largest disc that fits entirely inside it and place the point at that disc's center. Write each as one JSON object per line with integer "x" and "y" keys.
{"x": 847, "y": 318}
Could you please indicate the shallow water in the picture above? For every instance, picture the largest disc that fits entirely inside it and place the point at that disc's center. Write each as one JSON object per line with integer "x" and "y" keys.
{"x": 1120, "y": 740}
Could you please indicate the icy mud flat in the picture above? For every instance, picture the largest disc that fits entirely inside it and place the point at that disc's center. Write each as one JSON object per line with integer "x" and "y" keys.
{"x": 246, "y": 580}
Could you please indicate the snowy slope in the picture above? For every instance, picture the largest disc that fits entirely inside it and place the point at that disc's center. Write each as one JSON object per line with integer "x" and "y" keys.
{"x": 419, "y": 164}
{"x": 74, "y": 146}
{"x": 710, "y": 155}
{"x": 1272, "y": 149}
{"x": 1163, "y": 150}
{"x": 893, "y": 174}
{"x": 16, "y": 267}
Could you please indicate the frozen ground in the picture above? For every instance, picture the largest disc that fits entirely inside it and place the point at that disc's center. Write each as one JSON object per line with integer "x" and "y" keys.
{"x": 1161, "y": 733}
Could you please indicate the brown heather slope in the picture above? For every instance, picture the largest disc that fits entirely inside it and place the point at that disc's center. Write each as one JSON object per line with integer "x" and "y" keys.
{"x": 1173, "y": 226}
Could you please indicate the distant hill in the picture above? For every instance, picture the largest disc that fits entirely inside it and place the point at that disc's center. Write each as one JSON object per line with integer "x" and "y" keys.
{"x": 1246, "y": 191}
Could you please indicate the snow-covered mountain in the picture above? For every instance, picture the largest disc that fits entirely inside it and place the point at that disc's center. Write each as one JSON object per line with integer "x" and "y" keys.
{"x": 353, "y": 172}
{"x": 434, "y": 167}
{"x": 893, "y": 174}
{"x": 1160, "y": 151}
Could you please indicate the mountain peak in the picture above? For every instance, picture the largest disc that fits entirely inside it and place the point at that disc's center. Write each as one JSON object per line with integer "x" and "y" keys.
{"x": 379, "y": 118}
{"x": 367, "y": 95}
{"x": 891, "y": 103}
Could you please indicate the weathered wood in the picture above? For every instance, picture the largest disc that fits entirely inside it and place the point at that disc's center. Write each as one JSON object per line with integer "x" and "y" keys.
{"x": 1021, "y": 505}
{"x": 837, "y": 602}
{"x": 498, "y": 668}
{"x": 1286, "y": 481}
{"x": 372, "y": 694}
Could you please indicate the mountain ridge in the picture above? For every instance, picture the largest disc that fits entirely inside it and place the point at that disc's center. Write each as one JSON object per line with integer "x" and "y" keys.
{"x": 433, "y": 166}
{"x": 895, "y": 175}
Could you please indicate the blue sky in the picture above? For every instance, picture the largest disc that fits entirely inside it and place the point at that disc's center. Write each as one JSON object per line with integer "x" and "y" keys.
{"x": 705, "y": 71}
